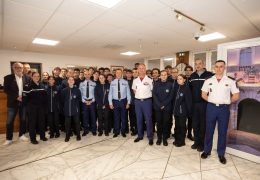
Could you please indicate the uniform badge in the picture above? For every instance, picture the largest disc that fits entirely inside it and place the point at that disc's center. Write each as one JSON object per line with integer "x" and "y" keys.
{"x": 210, "y": 84}
{"x": 167, "y": 90}
{"x": 226, "y": 84}
{"x": 146, "y": 83}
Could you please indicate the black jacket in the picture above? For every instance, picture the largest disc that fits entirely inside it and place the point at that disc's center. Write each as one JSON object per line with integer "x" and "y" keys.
{"x": 53, "y": 94}
{"x": 183, "y": 102}
{"x": 11, "y": 89}
{"x": 58, "y": 81}
{"x": 101, "y": 94}
{"x": 163, "y": 95}
{"x": 70, "y": 99}
{"x": 35, "y": 94}
{"x": 130, "y": 83}
{"x": 196, "y": 83}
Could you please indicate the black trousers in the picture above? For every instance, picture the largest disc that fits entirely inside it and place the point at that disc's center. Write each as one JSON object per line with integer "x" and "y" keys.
{"x": 154, "y": 119}
{"x": 189, "y": 125}
{"x": 162, "y": 118}
{"x": 68, "y": 121}
{"x": 199, "y": 122}
{"x": 110, "y": 119}
{"x": 36, "y": 116}
{"x": 103, "y": 119}
{"x": 180, "y": 132}
{"x": 132, "y": 118}
{"x": 53, "y": 120}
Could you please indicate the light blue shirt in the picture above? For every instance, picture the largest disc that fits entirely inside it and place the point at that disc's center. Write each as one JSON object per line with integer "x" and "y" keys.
{"x": 124, "y": 91}
{"x": 83, "y": 90}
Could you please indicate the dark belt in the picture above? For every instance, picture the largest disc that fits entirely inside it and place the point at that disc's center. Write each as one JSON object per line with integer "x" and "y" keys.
{"x": 119, "y": 99}
{"x": 143, "y": 99}
{"x": 219, "y": 105}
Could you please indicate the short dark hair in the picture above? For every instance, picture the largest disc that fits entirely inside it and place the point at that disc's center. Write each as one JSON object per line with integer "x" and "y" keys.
{"x": 129, "y": 71}
{"x": 51, "y": 77}
{"x": 183, "y": 76}
{"x": 220, "y": 61}
{"x": 77, "y": 69}
{"x": 168, "y": 67}
{"x": 134, "y": 69}
{"x": 57, "y": 68}
{"x": 188, "y": 67}
{"x": 156, "y": 69}
{"x": 110, "y": 75}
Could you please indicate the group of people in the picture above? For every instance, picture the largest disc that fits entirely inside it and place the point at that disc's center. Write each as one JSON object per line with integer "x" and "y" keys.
{"x": 123, "y": 101}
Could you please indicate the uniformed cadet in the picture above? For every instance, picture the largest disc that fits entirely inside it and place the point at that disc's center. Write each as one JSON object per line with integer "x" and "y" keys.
{"x": 199, "y": 105}
{"x": 101, "y": 97}
{"x": 56, "y": 75}
{"x": 131, "y": 111}
{"x": 188, "y": 71}
{"x": 64, "y": 82}
{"x": 53, "y": 107}
{"x": 36, "y": 99}
{"x": 119, "y": 100}
{"x": 71, "y": 98}
{"x": 143, "y": 86}
{"x": 162, "y": 103}
{"x": 88, "y": 105}
{"x": 76, "y": 77}
{"x": 219, "y": 91}
{"x": 181, "y": 110}
{"x": 45, "y": 77}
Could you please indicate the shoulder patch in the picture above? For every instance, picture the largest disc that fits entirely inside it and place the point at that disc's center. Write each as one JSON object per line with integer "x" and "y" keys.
{"x": 231, "y": 78}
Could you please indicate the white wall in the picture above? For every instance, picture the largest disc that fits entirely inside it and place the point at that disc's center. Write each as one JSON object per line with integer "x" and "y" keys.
{"x": 49, "y": 61}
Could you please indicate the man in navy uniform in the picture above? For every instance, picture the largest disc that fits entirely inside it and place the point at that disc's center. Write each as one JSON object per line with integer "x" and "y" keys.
{"x": 87, "y": 88}
{"x": 219, "y": 91}
{"x": 119, "y": 98}
{"x": 143, "y": 86}
{"x": 199, "y": 105}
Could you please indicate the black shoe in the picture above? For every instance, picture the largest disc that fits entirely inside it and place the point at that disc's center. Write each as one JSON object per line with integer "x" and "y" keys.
{"x": 165, "y": 143}
{"x": 34, "y": 142}
{"x": 138, "y": 139}
{"x": 94, "y": 133}
{"x": 100, "y": 134}
{"x": 78, "y": 138}
{"x": 67, "y": 139}
{"x": 106, "y": 134}
{"x": 115, "y": 135}
{"x": 190, "y": 137}
{"x": 57, "y": 135}
{"x": 133, "y": 133}
{"x": 179, "y": 144}
{"x": 151, "y": 142}
{"x": 174, "y": 143}
{"x": 205, "y": 155}
{"x": 200, "y": 149}
{"x": 158, "y": 142}
{"x": 194, "y": 146}
{"x": 51, "y": 136}
{"x": 124, "y": 135}
{"x": 84, "y": 133}
{"x": 222, "y": 159}
{"x": 44, "y": 139}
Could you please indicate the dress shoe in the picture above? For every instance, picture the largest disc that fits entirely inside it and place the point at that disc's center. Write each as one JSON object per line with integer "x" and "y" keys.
{"x": 165, "y": 143}
{"x": 34, "y": 142}
{"x": 51, "y": 136}
{"x": 138, "y": 139}
{"x": 115, "y": 135}
{"x": 178, "y": 144}
{"x": 174, "y": 143}
{"x": 200, "y": 148}
{"x": 94, "y": 133}
{"x": 57, "y": 135}
{"x": 106, "y": 134}
{"x": 124, "y": 135}
{"x": 100, "y": 134}
{"x": 84, "y": 133}
{"x": 151, "y": 142}
{"x": 67, "y": 139}
{"x": 44, "y": 139}
{"x": 205, "y": 155}
{"x": 133, "y": 133}
{"x": 158, "y": 142}
{"x": 194, "y": 146}
{"x": 190, "y": 137}
{"x": 78, "y": 138}
{"x": 222, "y": 159}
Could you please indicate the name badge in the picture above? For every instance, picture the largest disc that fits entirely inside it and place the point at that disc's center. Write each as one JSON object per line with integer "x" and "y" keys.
{"x": 226, "y": 84}
{"x": 146, "y": 83}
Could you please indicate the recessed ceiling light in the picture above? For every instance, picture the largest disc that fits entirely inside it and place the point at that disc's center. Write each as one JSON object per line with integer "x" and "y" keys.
{"x": 45, "y": 42}
{"x": 129, "y": 53}
{"x": 168, "y": 59}
{"x": 212, "y": 36}
{"x": 104, "y": 3}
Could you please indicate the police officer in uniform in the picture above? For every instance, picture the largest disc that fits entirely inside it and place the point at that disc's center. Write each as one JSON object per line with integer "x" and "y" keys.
{"x": 119, "y": 98}
{"x": 199, "y": 105}
{"x": 162, "y": 103}
{"x": 88, "y": 104}
{"x": 219, "y": 91}
{"x": 143, "y": 86}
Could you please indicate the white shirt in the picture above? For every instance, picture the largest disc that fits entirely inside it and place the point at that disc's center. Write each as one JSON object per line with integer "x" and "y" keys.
{"x": 219, "y": 92}
{"x": 143, "y": 89}
{"x": 19, "y": 81}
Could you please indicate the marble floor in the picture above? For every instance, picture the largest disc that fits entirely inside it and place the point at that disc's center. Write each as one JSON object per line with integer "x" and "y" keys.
{"x": 116, "y": 158}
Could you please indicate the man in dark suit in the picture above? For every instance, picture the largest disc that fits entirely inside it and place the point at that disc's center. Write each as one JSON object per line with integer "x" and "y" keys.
{"x": 13, "y": 87}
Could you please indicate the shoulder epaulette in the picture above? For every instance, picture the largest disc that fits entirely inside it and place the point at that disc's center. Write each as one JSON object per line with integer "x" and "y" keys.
{"x": 231, "y": 78}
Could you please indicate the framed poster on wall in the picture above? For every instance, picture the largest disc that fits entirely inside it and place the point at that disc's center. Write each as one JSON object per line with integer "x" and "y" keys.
{"x": 35, "y": 67}
{"x": 243, "y": 64}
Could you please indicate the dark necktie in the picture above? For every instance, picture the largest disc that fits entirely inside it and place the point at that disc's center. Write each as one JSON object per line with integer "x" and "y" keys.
{"x": 87, "y": 94}
{"x": 119, "y": 93}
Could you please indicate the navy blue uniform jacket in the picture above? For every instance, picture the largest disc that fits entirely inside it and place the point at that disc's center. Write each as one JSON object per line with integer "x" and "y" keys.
{"x": 71, "y": 98}
{"x": 101, "y": 97}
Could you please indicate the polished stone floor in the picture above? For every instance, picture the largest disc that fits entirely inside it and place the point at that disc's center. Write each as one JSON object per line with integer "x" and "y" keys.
{"x": 116, "y": 158}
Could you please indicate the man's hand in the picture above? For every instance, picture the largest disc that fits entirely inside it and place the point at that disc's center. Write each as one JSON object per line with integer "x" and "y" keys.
{"x": 19, "y": 98}
{"x": 111, "y": 106}
{"x": 127, "y": 106}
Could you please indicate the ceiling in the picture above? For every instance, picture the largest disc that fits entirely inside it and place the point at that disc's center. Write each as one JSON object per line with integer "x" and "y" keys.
{"x": 146, "y": 26}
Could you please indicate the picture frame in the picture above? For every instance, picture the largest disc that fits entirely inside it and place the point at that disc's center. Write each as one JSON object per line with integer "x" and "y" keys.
{"x": 35, "y": 67}
{"x": 114, "y": 67}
